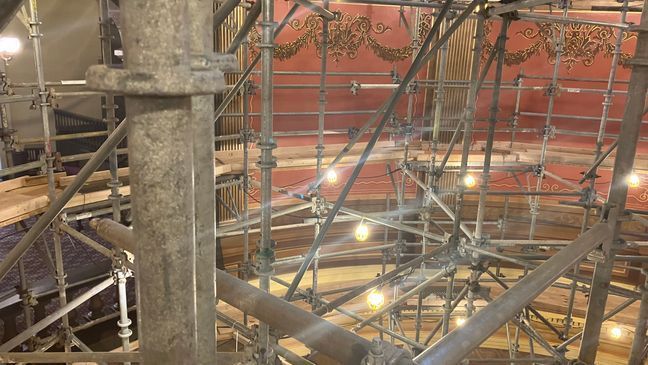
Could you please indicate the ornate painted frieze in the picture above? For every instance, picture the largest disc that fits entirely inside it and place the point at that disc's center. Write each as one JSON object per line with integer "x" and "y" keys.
{"x": 351, "y": 33}
{"x": 346, "y": 37}
{"x": 583, "y": 43}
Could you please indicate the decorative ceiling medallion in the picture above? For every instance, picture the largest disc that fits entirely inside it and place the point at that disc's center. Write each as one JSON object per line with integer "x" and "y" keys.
{"x": 583, "y": 43}
{"x": 346, "y": 36}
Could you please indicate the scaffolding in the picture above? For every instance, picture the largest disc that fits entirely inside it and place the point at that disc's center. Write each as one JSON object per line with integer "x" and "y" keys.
{"x": 176, "y": 198}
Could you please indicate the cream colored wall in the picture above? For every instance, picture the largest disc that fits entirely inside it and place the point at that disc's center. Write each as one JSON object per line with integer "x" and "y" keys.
{"x": 70, "y": 44}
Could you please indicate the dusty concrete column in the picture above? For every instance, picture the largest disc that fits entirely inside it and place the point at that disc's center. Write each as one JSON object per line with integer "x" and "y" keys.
{"x": 204, "y": 193}
{"x": 159, "y": 80}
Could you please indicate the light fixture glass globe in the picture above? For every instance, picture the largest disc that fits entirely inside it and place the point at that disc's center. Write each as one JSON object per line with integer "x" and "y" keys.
{"x": 362, "y": 232}
{"x": 331, "y": 177}
{"x": 616, "y": 332}
{"x": 375, "y": 300}
{"x": 9, "y": 46}
{"x": 634, "y": 181}
{"x": 469, "y": 181}
{"x": 460, "y": 321}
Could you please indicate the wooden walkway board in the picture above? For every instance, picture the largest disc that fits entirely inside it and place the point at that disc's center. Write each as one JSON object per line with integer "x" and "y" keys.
{"x": 26, "y": 196}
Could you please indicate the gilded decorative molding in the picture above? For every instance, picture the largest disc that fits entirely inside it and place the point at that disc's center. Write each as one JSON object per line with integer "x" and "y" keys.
{"x": 346, "y": 36}
{"x": 583, "y": 43}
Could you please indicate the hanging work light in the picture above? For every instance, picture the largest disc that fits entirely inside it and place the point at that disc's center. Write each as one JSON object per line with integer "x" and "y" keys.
{"x": 375, "y": 299}
{"x": 331, "y": 177}
{"x": 616, "y": 332}
{"x": 634, "y": 180}
{"x": 362, "y": 232}
{"x": 9, "y": 47}
{"x": 469, "y": 181}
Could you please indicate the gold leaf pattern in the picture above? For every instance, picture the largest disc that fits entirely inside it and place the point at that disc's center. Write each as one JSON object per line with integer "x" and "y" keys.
{"x": 346, "y": 36}
{"x": 583, "y": 43}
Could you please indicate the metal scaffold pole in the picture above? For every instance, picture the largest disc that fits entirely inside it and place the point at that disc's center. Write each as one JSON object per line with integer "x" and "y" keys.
{"x": 121, "y": 276}
{"x": 121, "y": 273}
{"x": 468, "y": 120}
{"x": 265, "y": 252}
{"x": 438, "y": 109}
{"x": 615, "y": 206}
{"x": 35, "y": 35}
{"x": 483, "y": 190}
{"x": 109, "y": 106}
{"x": 6, "y": 130}
{"x": 26, "y": 298}
{"x": 552, "y": 90}
{"x": 492, "y": 120}
{"x": 414, "y": 35}
{"x": 317, "y": 206}
{"x": 515, "y": 120}
{"x": 246, "y": 138}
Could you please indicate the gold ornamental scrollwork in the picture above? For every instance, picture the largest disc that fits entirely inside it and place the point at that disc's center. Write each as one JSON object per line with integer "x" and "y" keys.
{"x": 346, "y": 37}
{"x": 583, "y": 43}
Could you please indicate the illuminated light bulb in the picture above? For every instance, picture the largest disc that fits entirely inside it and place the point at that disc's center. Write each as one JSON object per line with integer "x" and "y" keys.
{"x": 375, "y": 300}
{"x": 331, "y": 177}
{"x": 634, "y": 181}
{"x": 469, "y": 181}
{"x": 461, "y": 321}
{"x": 362, "y": 232}
{"x": 616, "y": 332}
{"x": 9, "y": 46}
